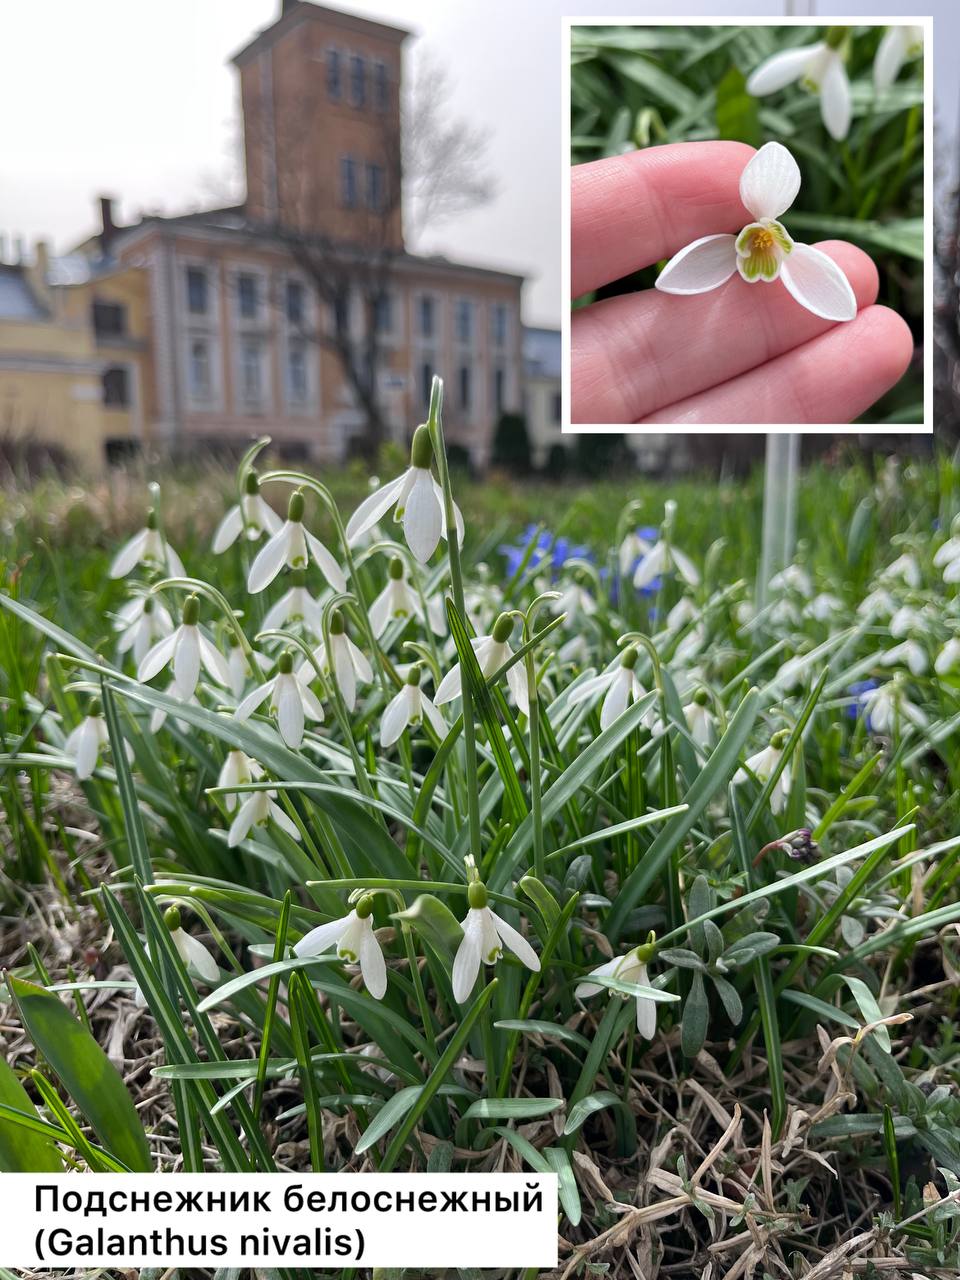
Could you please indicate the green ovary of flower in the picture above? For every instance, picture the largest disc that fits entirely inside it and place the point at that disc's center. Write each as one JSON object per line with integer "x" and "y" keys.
{"x": 760, "y": 250}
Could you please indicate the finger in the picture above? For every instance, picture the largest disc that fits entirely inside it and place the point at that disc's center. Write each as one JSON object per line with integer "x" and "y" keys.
{"x": 632, "y": 355}
{"x": 632, "y": 210}
{"x": 832, "y": 379}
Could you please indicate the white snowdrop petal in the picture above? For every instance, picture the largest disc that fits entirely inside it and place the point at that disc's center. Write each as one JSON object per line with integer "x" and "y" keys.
{"x": 702, "y": 265}
{"x": 290, "y": 717}
{"x": 466, "y": 963}
{"x": 283, "y": 820}
{"x": 606, "y": 970}
{"x": 517, "y": 943}
{"x": 394, "y": 719}
{"x": 157, "y": 658}
{"x": 770, "y": 181}
{"x": 186, "y": 660}
{"x": 270, "y": 560}
{"x": 782, "y": 69}
{"x": 214, "y": 662}
{"x": 196, "y": 956}
{"x": 87, "y": 748}
{"x": 326, "y": 563}
{"x": 373, "y": 508}
{"x": 433, "y": 716}
{"x": 450, "y": 686}
{"x": 817, "y": 283}
{"x": 517, "y": 683}
{"x": 128, "y": 557}
{"x": 835, "y": 104}
{"x": 228, "y": 530}
{"x": 312, "y": 706}
{"x": 618, "y": 695}
{"x": 422, "y": 519}
{"x": 253, "y": 700}
{"x": 373, "y": 968}
{"x": 322, "y": 938}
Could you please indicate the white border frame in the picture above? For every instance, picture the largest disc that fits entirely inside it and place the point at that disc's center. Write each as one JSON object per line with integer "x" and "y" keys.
{"x": 899, "y": 428}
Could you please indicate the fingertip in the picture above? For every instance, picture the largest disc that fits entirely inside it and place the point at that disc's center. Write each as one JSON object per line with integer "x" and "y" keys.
{"x": 859, "y": 268}
{"x": 890, "y": 339}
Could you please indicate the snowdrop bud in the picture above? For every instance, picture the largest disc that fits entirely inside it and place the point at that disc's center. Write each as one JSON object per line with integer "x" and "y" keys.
{"x": 336, "y": 623}
{"x": 285, "y": 663}
{"x": 780, "y": 739}
{"x": 421, "y": 448}
{"x": 701, "y": 697}
{"x": 646, "y": 951}
{"x": 477, "y": 894}
{"x": 148, "y": 605}
{"x": 171, "y": 918}
{"x": 396, "y": 569}
{"x": 151, "y": 521}
{"x": 95, "y": 708}
{"x": 503, "y": 628}
{"x": 835, "y": 36}
{"x": 414, "y": 674}
{"x": 191, "y": 611}
{"x": 628, "y": 659}
{"x": 295, "y": 506}
{"x": 251, "y": 484}
{"x": 364, "y": 906}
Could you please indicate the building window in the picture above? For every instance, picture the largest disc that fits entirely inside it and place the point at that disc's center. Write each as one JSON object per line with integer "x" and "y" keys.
{"x": 109, "y": 319}
{"x": 116, "y": 388}
{"x": 555, "y": 407}
{"x": 381, "y": 90}
{"x": 376, "y": 188}
{"x": 498, "y": 325}
{"x": 358, "y": 81}
{"x": 247, "y": 296}
{"x": 463, "y": 387}
{"x": 199, "y": 369}
{"x": 197, "y": 291}
{"x": 334, "y": 81}
{"x": 383, "y": 314}
{"x": 297, "y": 373}
{"x": 426, "y": 316}
{"x": 464, "y": 324}
{"x": 251, "y": 372}
{"x": 341, "y": 313}
{"x": 499, "y": 388}
{"x": 426, "y": 382}
{"x": 348, "y": 182}
{"x": 295, "y": 307}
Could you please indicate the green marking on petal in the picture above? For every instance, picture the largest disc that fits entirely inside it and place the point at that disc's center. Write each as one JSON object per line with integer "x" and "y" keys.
{"x": 780, "y": 234}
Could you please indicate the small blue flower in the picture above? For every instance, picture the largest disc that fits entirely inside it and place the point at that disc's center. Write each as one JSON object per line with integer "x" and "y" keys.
{"x": 857, "y": 691}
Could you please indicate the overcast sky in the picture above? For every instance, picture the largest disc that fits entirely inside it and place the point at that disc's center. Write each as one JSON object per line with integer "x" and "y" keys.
{"x": 138, "y": 99}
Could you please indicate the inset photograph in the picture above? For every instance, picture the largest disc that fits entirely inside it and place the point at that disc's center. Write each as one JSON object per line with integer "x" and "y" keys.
{"x": 750, "y": 214}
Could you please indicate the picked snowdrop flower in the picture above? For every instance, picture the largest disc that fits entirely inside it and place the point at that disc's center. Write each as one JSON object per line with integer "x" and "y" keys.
{"x": 410, "y": 706}
{"x": 292, "y": 702}
{"x": 630, "y": 968}
{"x": 820, "y": 68}
{"x": 396, "y": 602}
{"x": 620, "y": 684}
{"x": 949, "y": 657}
{"x": 185, "y": 651}
{"x": 349, "y": 663}
{"x": 764, "y": 250}
{"x": 197, "y": 959}
{"x": 888, "y": 706}
{"x": 251, "y": 515}
{"x": 294, "y": 546}
{"x": 417, "y": 502}
{"x": 764, "y": 764}
{"x": 356, "y": 943}
{"x": 141, "y": 622}
{"x": 237, "y": 770}
{"x": 149, "y": 548}
{"x": 492, "y": 652}
{"x": 85, "y": 741}
{"x": 256, "y": 809}
{"x": 295, "y": 605}
{"x": 485, "y": 935}
{"x": 897, "y": 45}
{"x": 701, "y": 721}
{"x": 909, "y": 653}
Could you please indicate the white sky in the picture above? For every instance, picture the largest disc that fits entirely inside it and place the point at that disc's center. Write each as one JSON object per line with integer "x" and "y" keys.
{"x": 137, "y": 98}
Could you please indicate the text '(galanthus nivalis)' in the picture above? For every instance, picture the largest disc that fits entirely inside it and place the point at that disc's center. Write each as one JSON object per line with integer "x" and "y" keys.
{"x": 356, "y": 943}
{"x": 250, "y": 515}
{"x": 491, "y": 652}
{"x": 764, "y": 250}
{"x": 818, "y": 67}
{"x": 631, "y": 968}
{"x": 291, "y": 701}
{"x": 417, "y": 501}
{"x": 186, "y": 650}
{"x": 485, "y": 935}
{"x": 293, "y": 545}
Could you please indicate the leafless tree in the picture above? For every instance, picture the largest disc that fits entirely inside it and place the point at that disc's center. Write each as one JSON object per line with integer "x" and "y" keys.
{"x": 946, "y": 316}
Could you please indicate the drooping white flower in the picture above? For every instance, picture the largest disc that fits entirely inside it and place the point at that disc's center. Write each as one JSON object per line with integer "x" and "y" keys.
{"x": 906, "y": 568}
{"x": 947, "y": 558}
{"x": 821, "y": 68}
{"x": 701, "y": 721}
{"x": 356, "y": 943}
{"x": 879, "y": 603}
{"x": 683, "y": 612}
{"x": 417, "y": 502}
{"x": 909, "y": 653}
{"x": 764, "y": 764}
{"x": 631, "y": 549}
{"x": 907, "y": 619}
{"x": 398, "y": 601}
{"x": 196, "y": 958}
{"x": 629, "y": 968}
{"x": 186, "y": 650}
{"x": 237, "y": 770}
{"x": 158, "y": 716}
{"x": 764, "y": 249}
{"x": 409, "y": 707}
{"x": 895, "y": 47}
{"x": 492, "y": 652}
{"x": 793, "y": 578}
{"x": 349, "y": 663}
{"x": 296, "y": 605}
{"x": 149, "y": 548}
{"x": 485, "y": 935}
{"x": 823, "y": 607}
{"x": 948, "y": 657}
{"x": 141, "y": 622}
{"x": 85, "y": 741}
{"x": 257, "y": 808}
{"x": 619, "y": 684}
{"x": 241, "y": 666}
{"x": 575, "y": 601}
{"x": 887, "y": 707}
{"x": 662, "y": 558}
{"x": 292, "y": 702}
{"x": 294, "y": 546}
{"x": 250, "y": 514}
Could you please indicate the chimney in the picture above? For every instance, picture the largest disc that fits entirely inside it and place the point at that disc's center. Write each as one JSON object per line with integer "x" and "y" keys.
{"x": 38, "y": 271}
{"x": 108, "y": 227}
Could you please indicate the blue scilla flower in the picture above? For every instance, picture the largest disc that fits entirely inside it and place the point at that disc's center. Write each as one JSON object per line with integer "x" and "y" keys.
{"x": 857, "y": 691}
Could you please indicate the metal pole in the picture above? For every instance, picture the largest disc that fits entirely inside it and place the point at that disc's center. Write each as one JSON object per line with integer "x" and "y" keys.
{"x": 780, "y": 482}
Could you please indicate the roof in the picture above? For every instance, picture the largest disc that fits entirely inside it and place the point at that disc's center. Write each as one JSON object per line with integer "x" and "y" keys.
{"x": 17, "y": 299}
{"x": 303, "y": 11}
{"x": 541, "y": 352}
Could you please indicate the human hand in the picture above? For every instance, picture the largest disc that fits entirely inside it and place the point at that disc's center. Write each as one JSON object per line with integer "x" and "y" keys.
{"x": 743, "y": 353}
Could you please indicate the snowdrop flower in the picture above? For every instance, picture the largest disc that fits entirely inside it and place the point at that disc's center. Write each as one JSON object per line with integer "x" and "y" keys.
{"x": 240, "y": 666}
{"x": 292, "y": 702}
{"x": 85, "y": 741}
{"x": 947, "y": 558}
{"x": 664, "y": 558}
{"x": 485, "y": 935}
{"x": 820, "y": 68}
{"x": 906, "y": 568}
{"x": 629, "y": 968}
{"x": 251, "y": 512}
{"x": 398, "y": 601}
{"x": 762, "y": 766}
{"x": 701, "y": 721}
{"x": 764, "y": 250}
{"x": 691, "y": 644}
{"x": 683, "y": 612}
{"x": 907, "y": 619}
{"x": 632, "y": 548}
{"x": 141, "y": 622}
{"x": 295, "y": 605}
{"x": 417, "y": 500}
{"x": 294, "y": 546}
{"x": 237, "y": 770}
{"x": 185, "y": 651}
{"x": 910, "y": 653}
{"x": 356, "y": 943}
{"x": 158, "y": 717}
{"x": 195, "y": 956}
{"x": 897, "y": 45}
{"x": 887, "y": 706}
{"x": 823, "y": 607}
{"x": 620, "y": 683}
{"x": 492, "y": 652}
{"x": 879, "y": 602}
{"x": 948, "y": 657}
{"x": 575, "y": 601}
{"x": 794, "y": 578}
{"x": 410, "y": 706}
{"x": 149, "y": 548}
{"x": 256, "y": 809}
{"x": 349, "y": 663}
